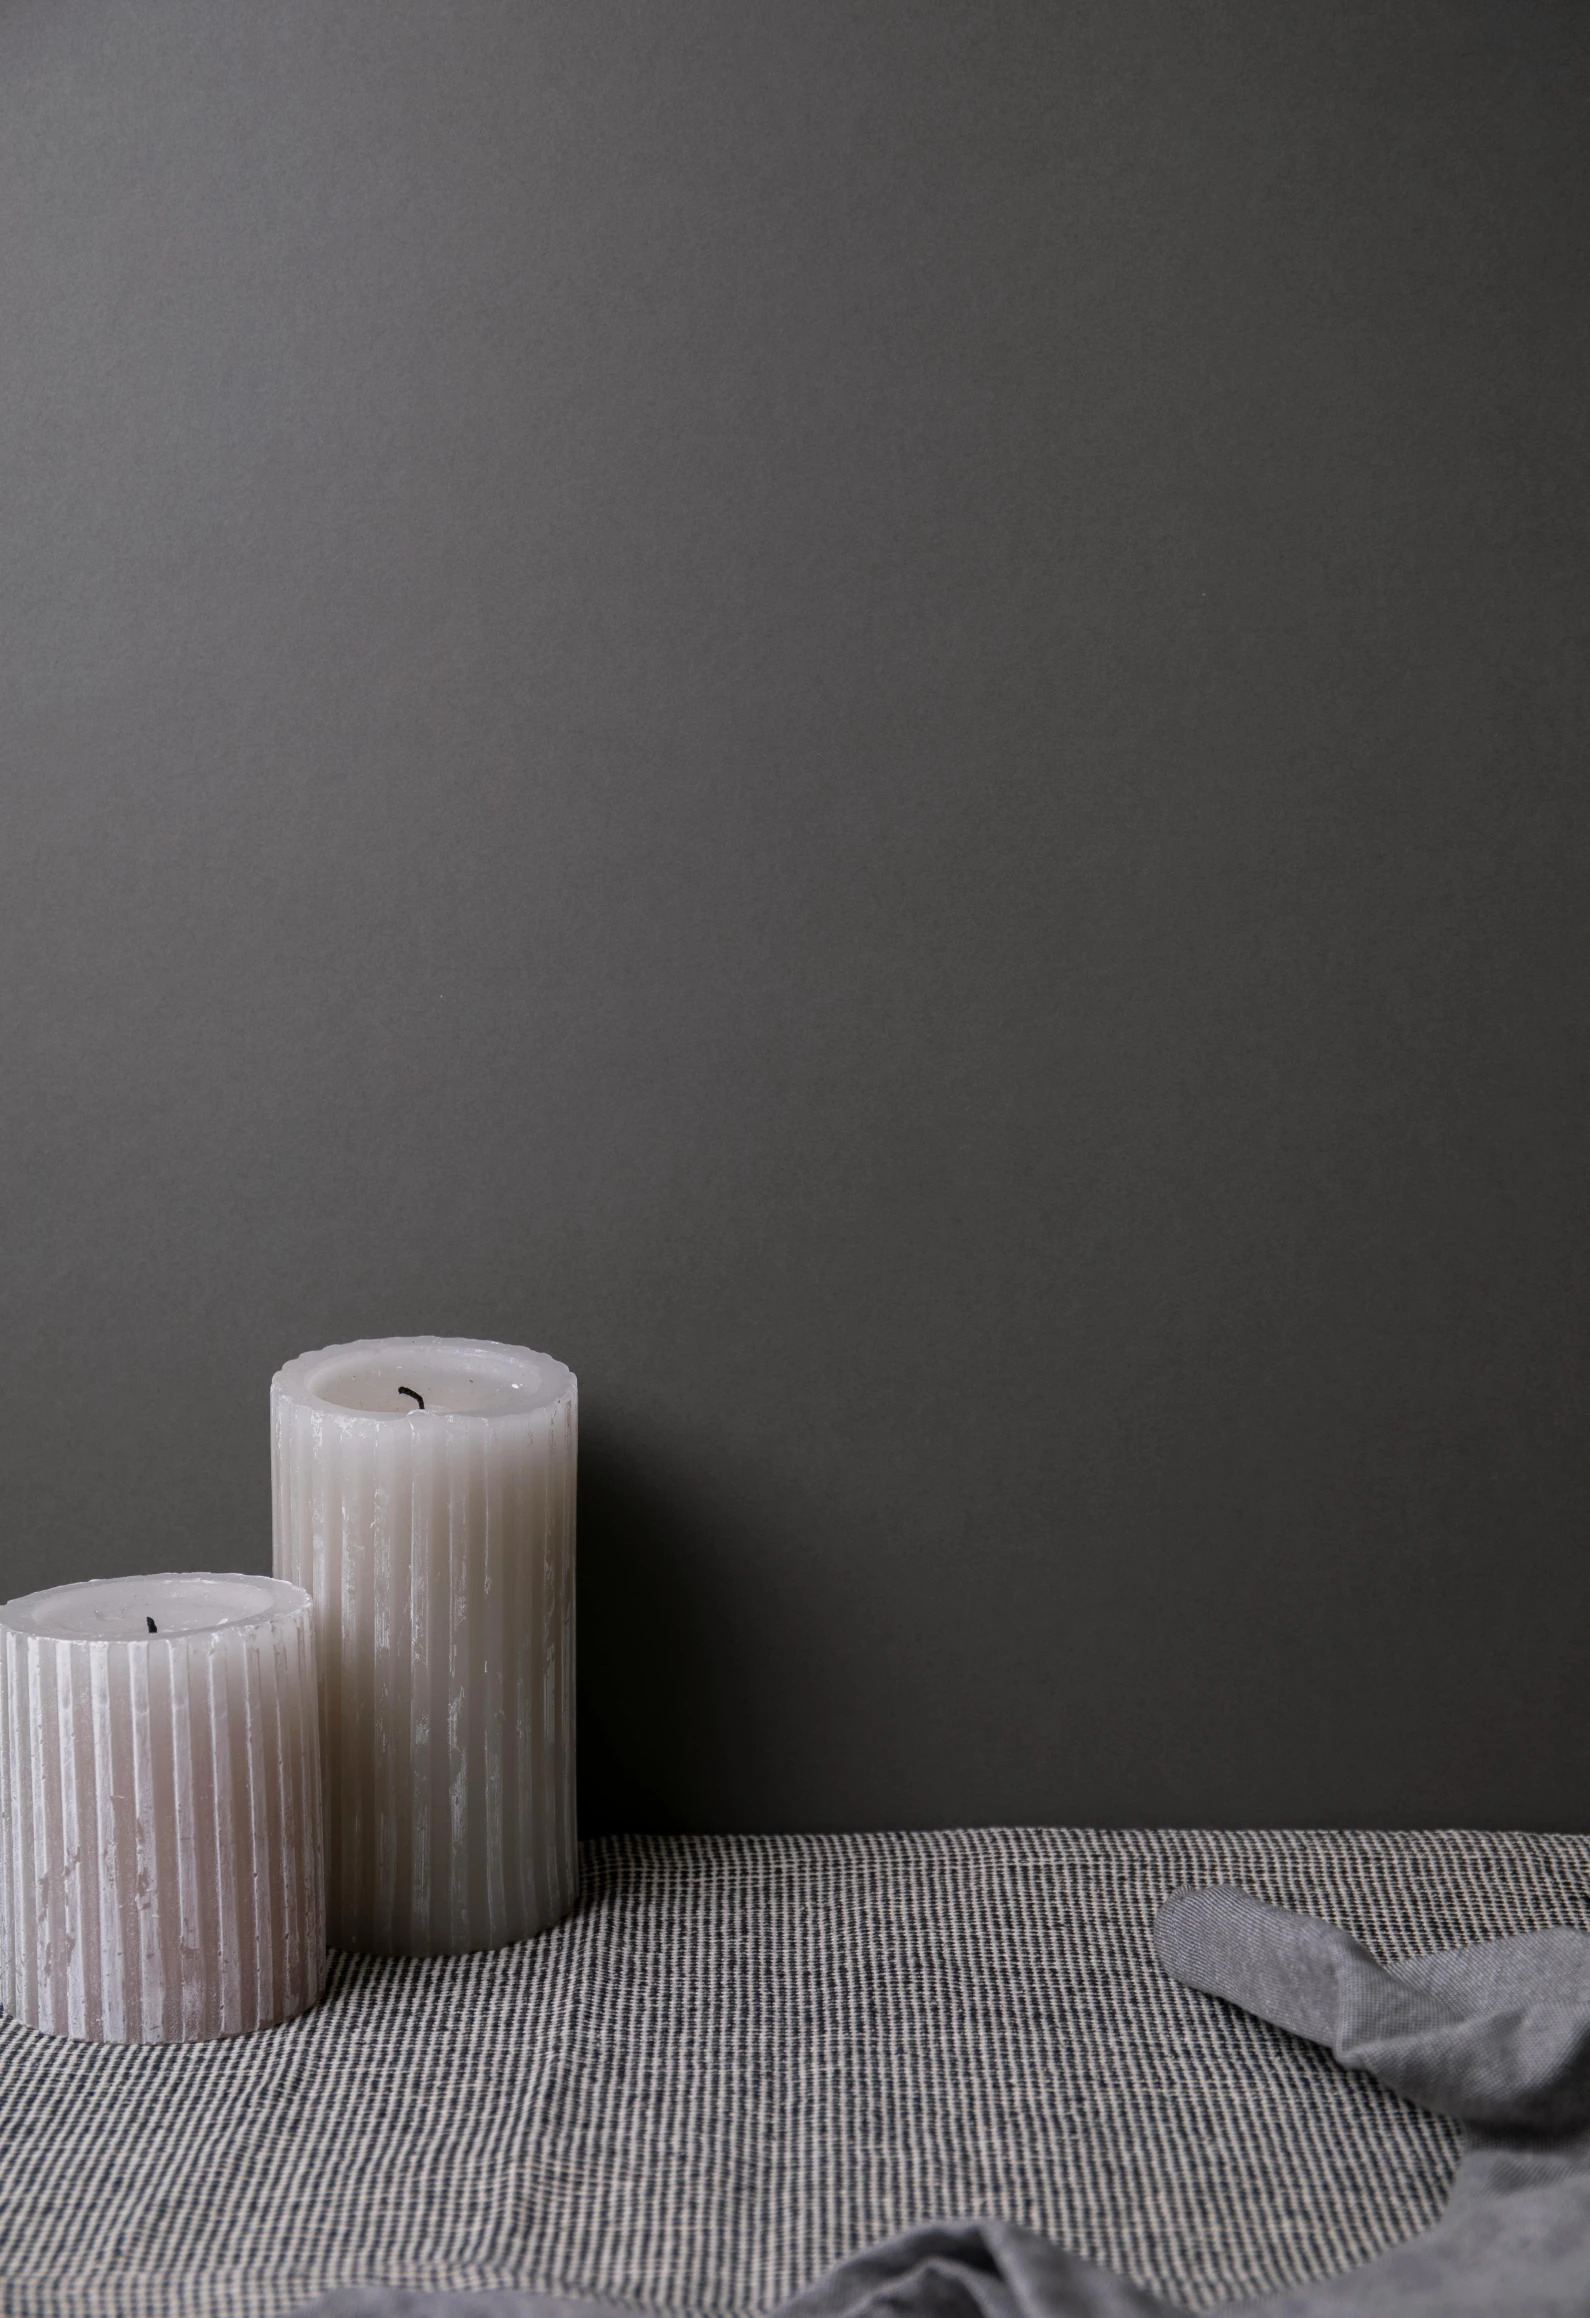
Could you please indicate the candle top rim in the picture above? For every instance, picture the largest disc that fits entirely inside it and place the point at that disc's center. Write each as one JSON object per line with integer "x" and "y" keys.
{"x": 182, "y": 1603}
{"x": 415, "y": 1379}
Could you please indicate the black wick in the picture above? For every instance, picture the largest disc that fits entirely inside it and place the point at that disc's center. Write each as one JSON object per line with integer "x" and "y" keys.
{"x": 413, "y": 1395}
{"x": 149, "y": 1622}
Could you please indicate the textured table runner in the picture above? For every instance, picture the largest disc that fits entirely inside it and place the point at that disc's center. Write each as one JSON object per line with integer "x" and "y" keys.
{"x": 742, "y": 2058}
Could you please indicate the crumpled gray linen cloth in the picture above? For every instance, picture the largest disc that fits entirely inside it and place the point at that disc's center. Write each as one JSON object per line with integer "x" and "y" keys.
{"x": 1497, "y": 2035}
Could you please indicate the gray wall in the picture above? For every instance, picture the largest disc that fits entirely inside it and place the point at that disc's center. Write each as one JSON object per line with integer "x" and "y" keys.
{"x": 874, "y": 718}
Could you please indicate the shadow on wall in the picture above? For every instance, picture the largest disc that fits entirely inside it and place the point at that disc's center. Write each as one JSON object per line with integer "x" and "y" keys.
{"x": 654, "y": 1676}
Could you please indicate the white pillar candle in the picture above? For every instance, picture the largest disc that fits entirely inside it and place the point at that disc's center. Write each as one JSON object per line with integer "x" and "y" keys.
{"x": 161, "y": 1869}
{"x": 424, "y": 1493}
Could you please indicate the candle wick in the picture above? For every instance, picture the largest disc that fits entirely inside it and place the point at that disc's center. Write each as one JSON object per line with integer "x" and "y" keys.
{"x": 413, "y": 1395}
{"x": 149, "y": 1622}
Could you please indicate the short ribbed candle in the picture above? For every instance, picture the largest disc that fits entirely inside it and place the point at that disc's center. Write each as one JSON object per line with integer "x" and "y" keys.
{"x": 161, "y": 1870}
{"x": 424, "y": 1493}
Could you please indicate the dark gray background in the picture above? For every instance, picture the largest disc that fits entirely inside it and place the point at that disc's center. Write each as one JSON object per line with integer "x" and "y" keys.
{"x": 872, "y": 716}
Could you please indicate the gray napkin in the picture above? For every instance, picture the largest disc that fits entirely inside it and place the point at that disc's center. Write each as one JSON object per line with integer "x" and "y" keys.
{"x": 1497, "y": 2035}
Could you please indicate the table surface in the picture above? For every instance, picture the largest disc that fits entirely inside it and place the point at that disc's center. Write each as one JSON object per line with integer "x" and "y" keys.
{"x": 743, "y": 2057}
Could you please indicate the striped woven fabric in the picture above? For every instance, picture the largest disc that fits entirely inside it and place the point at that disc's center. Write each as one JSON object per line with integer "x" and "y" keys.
{"x": 744, "y": 2057}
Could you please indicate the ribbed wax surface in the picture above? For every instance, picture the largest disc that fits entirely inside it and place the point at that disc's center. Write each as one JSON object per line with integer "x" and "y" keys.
{"x": 438, "y": 1544}
{"x": 161, "y": 1872}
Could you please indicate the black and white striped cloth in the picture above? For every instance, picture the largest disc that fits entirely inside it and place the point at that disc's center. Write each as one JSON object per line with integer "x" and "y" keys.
{"x": 742, "y": 2058}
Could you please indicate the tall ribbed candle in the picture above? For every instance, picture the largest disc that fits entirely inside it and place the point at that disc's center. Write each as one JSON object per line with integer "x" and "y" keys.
{"x": 161, "y": 1870}
{"x": 424, "y": 1493}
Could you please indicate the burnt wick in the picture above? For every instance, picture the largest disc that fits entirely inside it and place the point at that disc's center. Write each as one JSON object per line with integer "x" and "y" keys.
{"x": 149, "y": 1622}
{"x": 413, "y": 1395}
